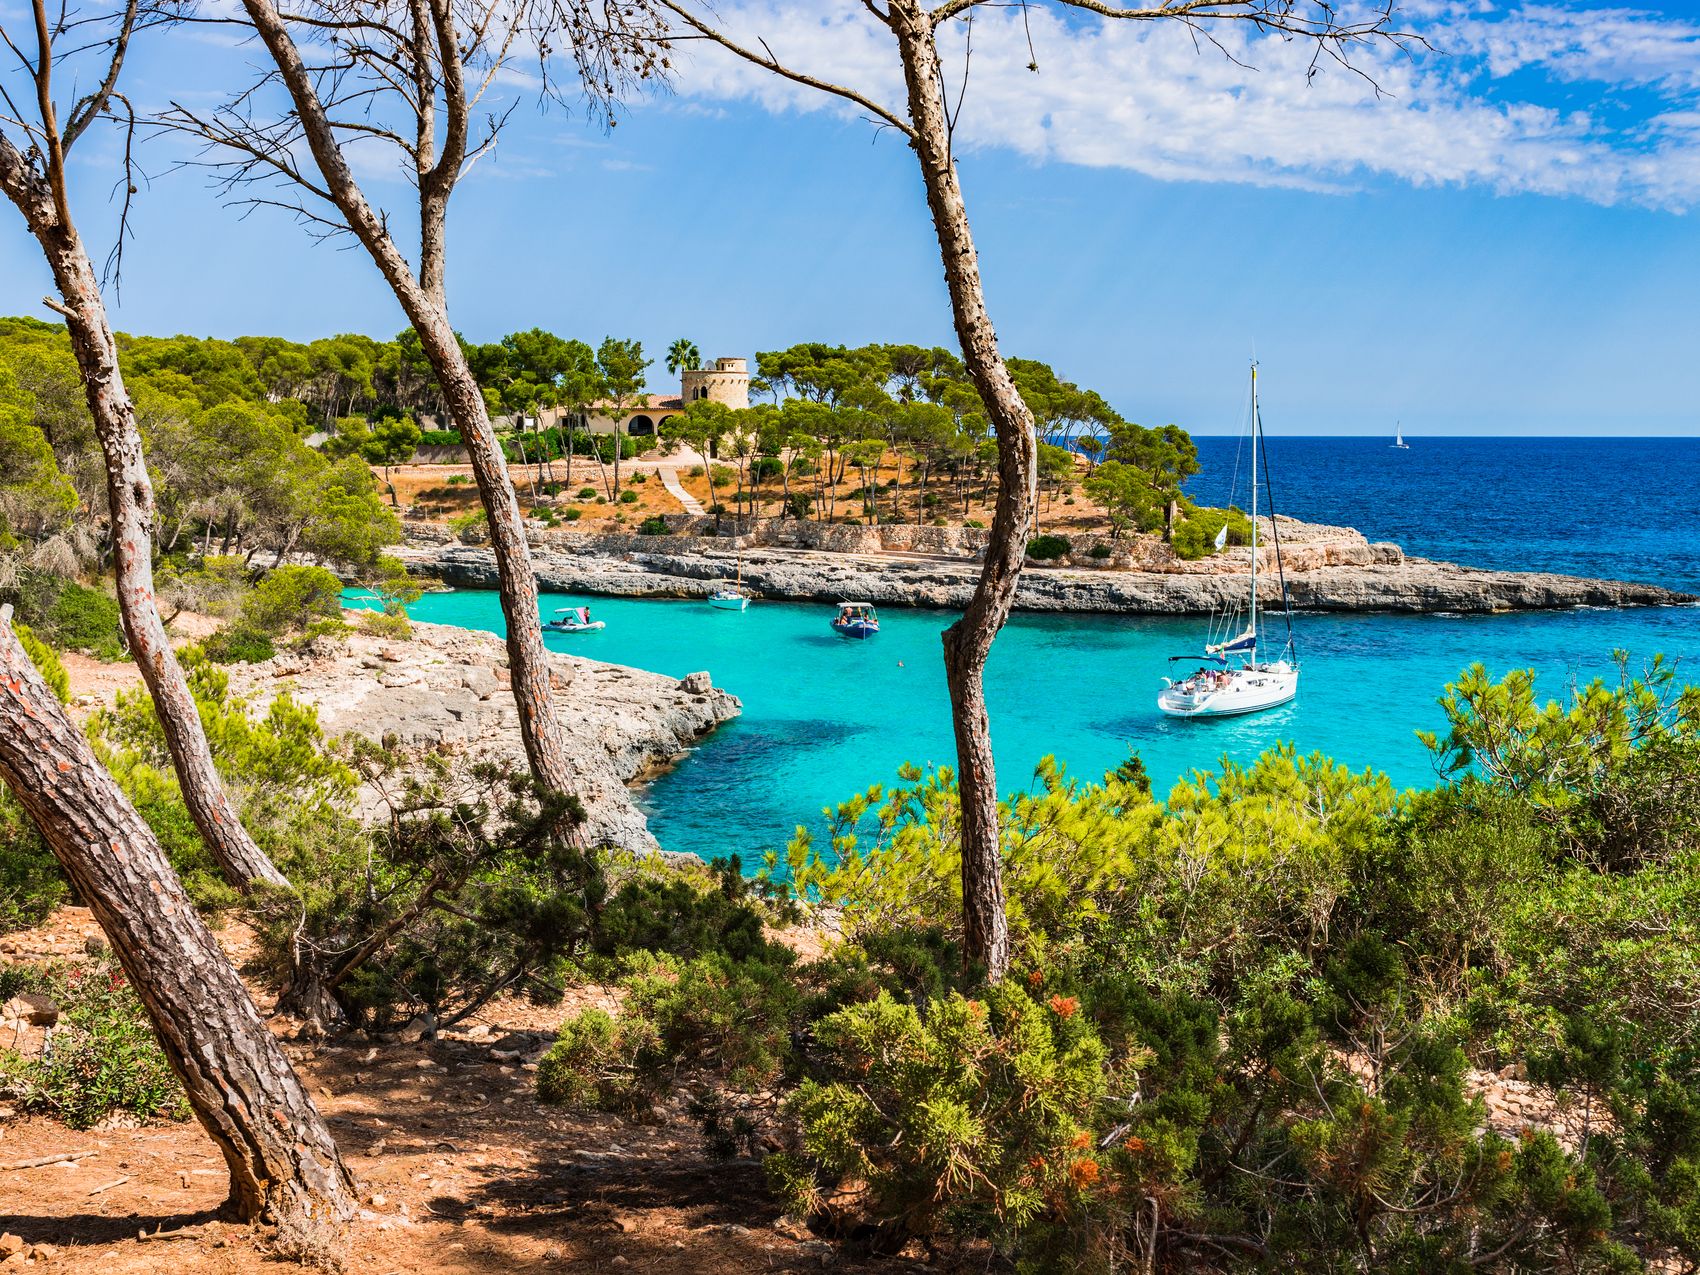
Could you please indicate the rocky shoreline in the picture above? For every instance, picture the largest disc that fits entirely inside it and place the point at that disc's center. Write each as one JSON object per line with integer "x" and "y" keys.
{"x": 446, "y": 690}
{"x": 1327, "y": 569}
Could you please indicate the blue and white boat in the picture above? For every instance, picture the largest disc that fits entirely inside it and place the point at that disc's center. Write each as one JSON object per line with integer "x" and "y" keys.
{"x": 573, "y": 620}
{"x": 856, "y": 620}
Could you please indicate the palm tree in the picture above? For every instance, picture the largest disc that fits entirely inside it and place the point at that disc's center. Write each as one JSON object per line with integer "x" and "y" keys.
{"x": 683, "y": 356}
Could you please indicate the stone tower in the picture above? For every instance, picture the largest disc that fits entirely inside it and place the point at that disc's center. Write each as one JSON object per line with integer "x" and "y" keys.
{"x": 728, "y": 382}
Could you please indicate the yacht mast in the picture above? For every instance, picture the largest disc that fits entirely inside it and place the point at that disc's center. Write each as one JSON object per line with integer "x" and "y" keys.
{"x": 1254, "y": 432}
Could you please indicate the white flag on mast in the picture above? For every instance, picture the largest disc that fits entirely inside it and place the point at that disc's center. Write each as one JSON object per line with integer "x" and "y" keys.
{"x": 1222, "y": 538}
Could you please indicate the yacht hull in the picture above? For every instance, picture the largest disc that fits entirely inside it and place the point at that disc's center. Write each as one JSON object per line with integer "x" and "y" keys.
{"x": 1245, "y": 691}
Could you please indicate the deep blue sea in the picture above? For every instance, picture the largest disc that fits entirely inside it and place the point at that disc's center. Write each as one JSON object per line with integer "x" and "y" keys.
{"x": 824, "y": 718}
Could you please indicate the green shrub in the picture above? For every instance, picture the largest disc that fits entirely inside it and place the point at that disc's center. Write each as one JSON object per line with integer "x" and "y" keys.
{"x": 292, "y": 601}
{"x": 31, "y": 884}
{"x": 237, "y": 644}
{"x": 639, "y": 478}
{"x": 571, "y": 513}
{"x": 104, "y": 1058}
{"x": 47, "y": 663}
{"x": 974, "y": 523}
{"x": 1101, "y": 552}
{"x": 628, "y": 497}
{"x": 654, "y": 525}
{"x": 721, "y": 475}
{"x": 470, "y": 527}
{"x": 1048, "y": 548}
{"x": 457, "y": 480}
{"x": 731, "y": 1018}
{"x": 1195, "y": 534}
{"x": 84, "y": 619}
{"x": 695, "y": 471}
{"x": 587, "y": 493}
{"x": 442, "y": 438}
{"x": 975, "y": 1111}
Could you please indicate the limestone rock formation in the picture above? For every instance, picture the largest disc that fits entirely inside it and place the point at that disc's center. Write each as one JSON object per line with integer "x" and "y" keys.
{"x": 445, "y": 690}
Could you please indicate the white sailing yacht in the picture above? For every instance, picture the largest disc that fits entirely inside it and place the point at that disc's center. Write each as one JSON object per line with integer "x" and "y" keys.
{"x": 731, "y": 597}
{"x": 1399, "y": 439}
{"x": 1232, "y": 679}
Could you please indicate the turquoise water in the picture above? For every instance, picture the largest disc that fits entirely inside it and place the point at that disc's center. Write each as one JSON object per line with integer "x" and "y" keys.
{"x": 825, "y": 717}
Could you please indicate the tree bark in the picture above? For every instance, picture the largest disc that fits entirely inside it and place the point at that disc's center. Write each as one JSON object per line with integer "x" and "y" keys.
{"x": 423, "y": 299}
{"x": 968, "y": 642}
{"x": 130, "y": 499}
{"x": 284, "y": 1165}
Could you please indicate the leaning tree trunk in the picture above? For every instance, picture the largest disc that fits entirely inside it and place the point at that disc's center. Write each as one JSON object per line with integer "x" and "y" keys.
{"x": 968, "y": 642}
{"x": 284, "y": 1165}
{"x": 424, "y": 300}
{"x": 130, "y": 498}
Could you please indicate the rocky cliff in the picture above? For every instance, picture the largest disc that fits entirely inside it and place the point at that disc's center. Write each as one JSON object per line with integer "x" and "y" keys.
{"x": 446, "y": 690}
{"x": 1328, "y": 568}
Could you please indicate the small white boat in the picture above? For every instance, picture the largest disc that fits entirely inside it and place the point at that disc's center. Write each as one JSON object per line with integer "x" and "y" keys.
{"x": 731, "y": 597}
{"x": 1232, "y": 680}
{"x": 1399, "y": 440}
{"x": 573, "y": 620}
{"x": 728, "y": 599}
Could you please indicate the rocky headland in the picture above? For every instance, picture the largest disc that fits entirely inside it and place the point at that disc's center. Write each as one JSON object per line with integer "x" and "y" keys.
{"x": 446, "y": 690}
{"x": 1327, "y": 569}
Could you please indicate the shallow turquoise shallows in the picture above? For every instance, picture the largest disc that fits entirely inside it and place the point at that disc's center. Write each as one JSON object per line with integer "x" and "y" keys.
{"x": 825, "y": 717}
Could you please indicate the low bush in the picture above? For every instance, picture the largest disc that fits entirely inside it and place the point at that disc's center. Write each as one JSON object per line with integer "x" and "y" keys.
{"x": 1194, "y": 536}
{"x": 46, "y": 661}
{"x": 471, "y": 527}
{"x": 654, "y": 525}
{"x": 104, "y": 1058}
{"x": 31, "y": 884}
{"x": 571, "y": 513}
{"x": 1101, "y": 552}
{"x": 442, "y": 438}
{"x": 695, "y": 471}
{"x": 85, "y": 619}
{"x": 1048, "y": 548}
{"x": 721, "y": 475}
{"x": 638, "y": 478}
{"x": 628, "y": 497}
{"x": 239, "y": 645}
{"x": 457, "y": 480}
{"x": 587, "y": 493}
{"x": 971, "y": 1113}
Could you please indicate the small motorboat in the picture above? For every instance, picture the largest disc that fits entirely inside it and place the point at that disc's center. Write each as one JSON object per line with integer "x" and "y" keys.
{"x": 573, "y": 620}
{"x": 855, "y": 620}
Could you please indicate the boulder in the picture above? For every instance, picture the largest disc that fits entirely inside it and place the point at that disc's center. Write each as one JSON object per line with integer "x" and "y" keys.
{"x": 34, "y": 1009}
{"x": 696, "y": 684}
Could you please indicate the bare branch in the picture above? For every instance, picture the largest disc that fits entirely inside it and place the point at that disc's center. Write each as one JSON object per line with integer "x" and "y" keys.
{"x": 771, "y": 63}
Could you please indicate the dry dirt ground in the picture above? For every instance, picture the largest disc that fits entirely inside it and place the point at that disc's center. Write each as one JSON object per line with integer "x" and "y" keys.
{"x": 428, "y": 487}
{"x": 460, "y": 1169}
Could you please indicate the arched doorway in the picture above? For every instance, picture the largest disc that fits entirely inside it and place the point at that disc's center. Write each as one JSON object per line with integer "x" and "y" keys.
{"x": 640, "y": 425}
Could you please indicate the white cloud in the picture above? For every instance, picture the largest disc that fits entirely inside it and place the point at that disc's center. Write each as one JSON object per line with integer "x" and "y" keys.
{"x": 1148, "y": 97}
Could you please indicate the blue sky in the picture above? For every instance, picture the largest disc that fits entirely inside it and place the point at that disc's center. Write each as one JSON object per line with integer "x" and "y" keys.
{"x": 1503, "y": 245}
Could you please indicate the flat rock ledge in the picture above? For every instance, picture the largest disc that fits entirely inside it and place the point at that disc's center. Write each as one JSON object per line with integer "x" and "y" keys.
{"x": 1370, "y": 578}
{"x": 447, "y": 690}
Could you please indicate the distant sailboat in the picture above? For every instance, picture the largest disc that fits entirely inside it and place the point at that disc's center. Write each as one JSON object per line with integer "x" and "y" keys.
{"x": 1399, "y": 439}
